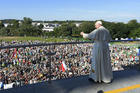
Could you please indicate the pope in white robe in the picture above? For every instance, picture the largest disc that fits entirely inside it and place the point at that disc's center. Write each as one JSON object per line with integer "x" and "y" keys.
{"x": 101, "y": 69}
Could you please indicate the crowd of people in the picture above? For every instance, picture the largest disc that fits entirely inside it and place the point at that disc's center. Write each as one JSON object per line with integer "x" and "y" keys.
{"x": 20, "y": 66}
{"x": 123, "y": 56}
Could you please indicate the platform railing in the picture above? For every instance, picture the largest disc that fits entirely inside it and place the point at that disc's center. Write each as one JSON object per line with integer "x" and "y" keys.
{"x": 60, "y": 43}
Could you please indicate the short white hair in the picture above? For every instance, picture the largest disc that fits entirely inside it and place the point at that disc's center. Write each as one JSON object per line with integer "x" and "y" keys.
{"x": 99, "y": 22}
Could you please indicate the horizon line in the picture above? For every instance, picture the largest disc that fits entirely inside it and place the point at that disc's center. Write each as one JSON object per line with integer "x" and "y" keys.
{"x": 67, "y": 20}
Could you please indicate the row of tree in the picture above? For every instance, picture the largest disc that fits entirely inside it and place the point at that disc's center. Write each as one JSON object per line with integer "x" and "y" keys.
{"x": 68, "y": 28}
{"x": 25, "y": 28}
{"x": 117, "y": 30}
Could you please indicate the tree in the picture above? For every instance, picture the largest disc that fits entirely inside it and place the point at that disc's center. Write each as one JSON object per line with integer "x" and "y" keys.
{"x": 86, "y": 27}
{"x": 40, "y": 26}
{"x": 27, "y": 21}
{"x": 1, "y": 25}
{"x": 5, "y": 31}
{"x": 120, "y": 31}
{"x": 65, "y": 29}
{"x": 26, "y": 28}
{"x": 14, "y": 26}
{"x": 135, "y": 33}
{"x": 132, "y": 25}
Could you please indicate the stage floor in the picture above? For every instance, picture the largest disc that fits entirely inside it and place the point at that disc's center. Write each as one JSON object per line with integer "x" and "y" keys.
{"x": 122, "y": 79}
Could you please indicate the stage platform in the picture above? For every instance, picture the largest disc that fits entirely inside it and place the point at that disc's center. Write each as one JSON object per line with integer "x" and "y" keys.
{"x": 122, "y": 79}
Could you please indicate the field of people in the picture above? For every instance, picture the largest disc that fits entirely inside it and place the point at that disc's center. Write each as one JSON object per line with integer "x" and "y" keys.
{"x": 21, "y": 66}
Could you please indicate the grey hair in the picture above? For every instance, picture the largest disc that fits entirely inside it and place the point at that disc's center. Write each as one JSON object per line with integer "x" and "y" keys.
{"x": 99, "y": 22}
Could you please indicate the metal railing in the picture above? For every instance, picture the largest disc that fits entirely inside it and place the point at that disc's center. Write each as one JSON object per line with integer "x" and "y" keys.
{"x": 60, "y": 43}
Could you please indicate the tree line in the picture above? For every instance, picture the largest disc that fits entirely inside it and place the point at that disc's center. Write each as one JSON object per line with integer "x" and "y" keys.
{"x": 25, "y": 28}
{"x": 117, "y": 29}
{"x": 69, "y": 29}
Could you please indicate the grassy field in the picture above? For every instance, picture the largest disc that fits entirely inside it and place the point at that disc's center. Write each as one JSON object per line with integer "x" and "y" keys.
{"x": 29, "y": 38}
{"x": 51, "y": 39}
{"x": 21, "y": 38}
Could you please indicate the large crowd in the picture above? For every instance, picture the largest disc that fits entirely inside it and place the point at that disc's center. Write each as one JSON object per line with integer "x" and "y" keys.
{"x": 20, "y": 66}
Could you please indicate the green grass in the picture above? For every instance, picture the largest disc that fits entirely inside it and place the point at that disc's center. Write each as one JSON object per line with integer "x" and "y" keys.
{"x": 51, "y": 39}
{"x": 21, "y": 38}
{"x": 56, "y": 40}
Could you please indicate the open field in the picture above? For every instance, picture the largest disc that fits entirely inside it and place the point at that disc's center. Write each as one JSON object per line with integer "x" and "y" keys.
{"x": 51, "y": 39}
{"x": 33, "y": 39}
{"x": 21, "y": 38}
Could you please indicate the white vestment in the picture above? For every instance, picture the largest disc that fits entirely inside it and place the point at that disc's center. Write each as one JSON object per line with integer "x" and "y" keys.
{"x": 101, "y": 69}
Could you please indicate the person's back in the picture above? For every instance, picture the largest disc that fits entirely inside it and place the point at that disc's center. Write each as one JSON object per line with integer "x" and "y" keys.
{"x": 101, "y": 69}
{"x": 102, "y": 35}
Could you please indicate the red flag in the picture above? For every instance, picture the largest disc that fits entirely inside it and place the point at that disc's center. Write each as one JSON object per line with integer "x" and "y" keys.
{"x": 63, "y": 66}
{"x": 15, "y": 53}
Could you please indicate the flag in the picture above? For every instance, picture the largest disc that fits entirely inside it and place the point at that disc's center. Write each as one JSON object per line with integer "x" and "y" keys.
{"x": 63, "y": 66}
{"x": 139, "y": 52}
{"x": 15, "y": 53}
{"x": 1, "y": 85}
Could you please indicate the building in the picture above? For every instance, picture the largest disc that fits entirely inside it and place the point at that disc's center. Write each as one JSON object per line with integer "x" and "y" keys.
{"x": 77, "y": 24}
{"x": 48, "y": 27}
{"x": 6, "y": 24}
